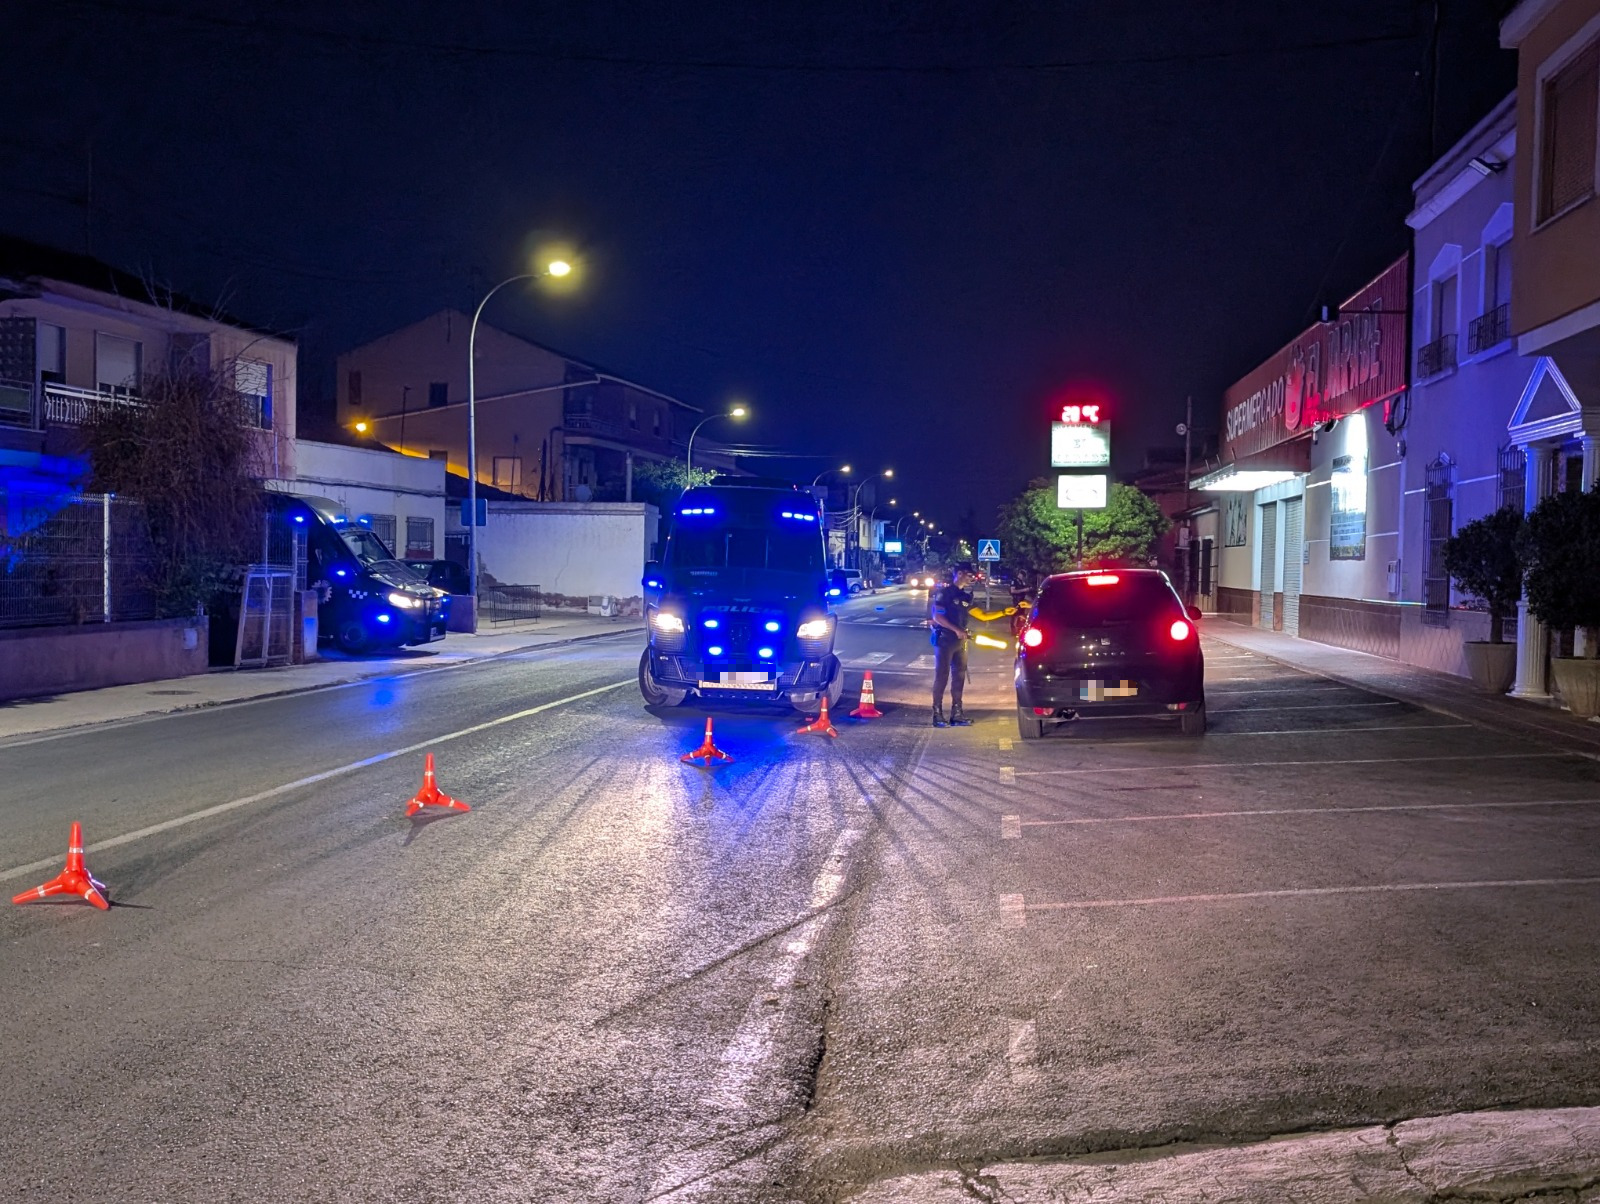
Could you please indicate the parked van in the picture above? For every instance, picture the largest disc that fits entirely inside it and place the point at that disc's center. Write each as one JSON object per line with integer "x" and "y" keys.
{"x": 368, "y": 599}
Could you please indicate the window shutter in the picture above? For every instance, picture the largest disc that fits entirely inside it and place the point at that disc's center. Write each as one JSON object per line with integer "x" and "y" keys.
{"x": 1570, "y": 101}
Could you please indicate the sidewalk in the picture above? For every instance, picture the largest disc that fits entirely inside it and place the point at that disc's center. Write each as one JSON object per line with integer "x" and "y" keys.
{"x": 1441, "y": 692}
{"x": 32, "y": 716}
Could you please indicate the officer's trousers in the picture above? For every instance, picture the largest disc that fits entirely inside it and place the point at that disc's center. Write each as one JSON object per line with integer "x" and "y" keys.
{"x": 949, "y": 665}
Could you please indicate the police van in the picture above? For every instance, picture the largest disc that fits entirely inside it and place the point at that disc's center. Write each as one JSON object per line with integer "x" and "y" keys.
{"x": 738, "y": 607}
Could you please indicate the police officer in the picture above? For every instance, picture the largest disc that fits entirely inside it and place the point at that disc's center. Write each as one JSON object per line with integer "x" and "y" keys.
{"x": 951, "y": 608}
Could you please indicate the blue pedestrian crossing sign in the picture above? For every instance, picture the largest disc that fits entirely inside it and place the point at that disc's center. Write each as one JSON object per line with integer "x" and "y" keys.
{"x": 988, "y": 549}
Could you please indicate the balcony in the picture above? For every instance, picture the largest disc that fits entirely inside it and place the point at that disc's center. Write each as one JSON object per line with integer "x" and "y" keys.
{"x": 1437, "y": 357}
{"x": 578, "y": 423}
{"x": 1489, "y": 330}
{"x": 67, "y": 405}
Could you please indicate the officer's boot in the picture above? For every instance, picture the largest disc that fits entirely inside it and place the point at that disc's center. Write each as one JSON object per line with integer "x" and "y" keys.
{"x": 958, "y": 717}
{"x": 938, "y": 716}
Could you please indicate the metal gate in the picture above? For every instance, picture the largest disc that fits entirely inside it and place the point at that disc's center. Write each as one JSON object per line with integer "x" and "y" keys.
{"x": 1269, "y": 561}
{"x": 1293, "y": 558}
{"x": 266, "y": 618}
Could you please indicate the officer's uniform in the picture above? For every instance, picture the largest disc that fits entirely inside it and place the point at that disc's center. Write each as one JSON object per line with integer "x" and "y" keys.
{"x": 950, "y": 651}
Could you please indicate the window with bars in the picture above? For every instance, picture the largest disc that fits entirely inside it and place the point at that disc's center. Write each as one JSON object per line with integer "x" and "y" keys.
{"x": 383, "y": 527}
{"x": 1512, "y": 487}
{"x": 1567, "y": 134}
{"x": 1438, "y": 522}
{"x": 419, "y": 539}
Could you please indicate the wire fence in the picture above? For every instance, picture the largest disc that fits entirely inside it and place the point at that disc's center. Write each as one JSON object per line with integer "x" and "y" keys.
{"x": 83, "y": 558}
{"x": 500, "y": 603}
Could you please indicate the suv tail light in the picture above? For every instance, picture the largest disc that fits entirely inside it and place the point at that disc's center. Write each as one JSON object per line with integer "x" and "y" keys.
{"x": 1033, "y": 637}
{"x": 1180, "y": 630}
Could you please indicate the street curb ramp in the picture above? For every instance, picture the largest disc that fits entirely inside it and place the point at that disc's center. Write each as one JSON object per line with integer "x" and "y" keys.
{"x": 1478, "y": 1156}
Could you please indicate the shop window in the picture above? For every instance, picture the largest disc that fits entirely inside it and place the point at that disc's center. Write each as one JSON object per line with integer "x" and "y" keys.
{"x": 1567, "y": 134}
{"x": 1438, "y": 520}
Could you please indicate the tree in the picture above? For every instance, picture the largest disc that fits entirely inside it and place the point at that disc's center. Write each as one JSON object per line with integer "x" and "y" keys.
{"x": 186, "y": 449}
{"x": 1043, "y": 539}
{"x": 1561, "y": 548}
{"x": 1482, "y": 559}
{"x": 662, "y": 482}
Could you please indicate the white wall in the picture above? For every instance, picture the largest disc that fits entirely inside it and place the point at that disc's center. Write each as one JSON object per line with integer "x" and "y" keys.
{"x": 367, "y": 482}
{"x": 579, "y": 549}
{"x": 1362, "y": 437}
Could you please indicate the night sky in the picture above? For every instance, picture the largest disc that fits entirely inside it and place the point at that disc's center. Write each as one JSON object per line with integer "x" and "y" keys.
{"x": 898, "y": 230}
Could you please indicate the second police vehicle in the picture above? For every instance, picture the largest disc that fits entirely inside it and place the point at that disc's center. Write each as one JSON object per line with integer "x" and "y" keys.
{"x": 739, "y": 607}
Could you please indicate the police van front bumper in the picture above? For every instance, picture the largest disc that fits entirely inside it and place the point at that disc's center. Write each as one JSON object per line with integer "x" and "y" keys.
{"x": 788, "y": 682}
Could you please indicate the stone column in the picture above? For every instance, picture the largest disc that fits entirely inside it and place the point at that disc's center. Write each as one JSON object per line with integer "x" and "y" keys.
{"x": 1591, "y": 465}
{"x": 1533, "y": 638}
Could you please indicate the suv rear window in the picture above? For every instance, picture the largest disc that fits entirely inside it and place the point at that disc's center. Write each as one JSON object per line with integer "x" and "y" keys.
{"x": 1072, "y": 601}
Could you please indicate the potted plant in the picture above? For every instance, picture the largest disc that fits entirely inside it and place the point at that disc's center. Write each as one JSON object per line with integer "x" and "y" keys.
{"x": 1561, "y": 549}
{"x": 1482, "y": 559}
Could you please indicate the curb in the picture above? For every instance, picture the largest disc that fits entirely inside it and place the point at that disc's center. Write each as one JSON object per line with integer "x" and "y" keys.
{"x": 288, "y": 691}
{"x": 1488, "y": 1156}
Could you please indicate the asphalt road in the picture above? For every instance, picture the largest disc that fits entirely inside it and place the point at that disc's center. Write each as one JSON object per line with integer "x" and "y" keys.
{"x": 622, "y": 978}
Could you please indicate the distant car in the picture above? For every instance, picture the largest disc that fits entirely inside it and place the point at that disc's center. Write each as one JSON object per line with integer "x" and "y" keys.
{"x": 854, "y": 583}
{"x": 1110, "y": 644}
{"x": 893, "y": 576}
{"x": 924, "y": 581}
{"x": 443, "y": 574}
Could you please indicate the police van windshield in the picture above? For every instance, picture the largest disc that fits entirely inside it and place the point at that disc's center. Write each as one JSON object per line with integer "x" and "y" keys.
{"x": 789, "y": 551}
{"x": 366, "y": 546}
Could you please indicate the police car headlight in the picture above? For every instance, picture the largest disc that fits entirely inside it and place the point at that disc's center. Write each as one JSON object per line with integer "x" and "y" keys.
{"x": 666, "y": 622}
{"x": 404, "y": 601}
{"x": 812, "y": 629}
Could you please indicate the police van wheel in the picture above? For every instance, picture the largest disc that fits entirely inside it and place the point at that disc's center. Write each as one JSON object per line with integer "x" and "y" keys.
{"x": 656, "y": 695}
{"x": 353, "y": 637}
{"x": 836, "y": 686}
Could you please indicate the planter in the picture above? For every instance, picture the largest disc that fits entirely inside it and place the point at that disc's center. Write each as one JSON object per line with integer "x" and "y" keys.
{"x": 1493, "y": 666}
{"x": 1578, "y": 679}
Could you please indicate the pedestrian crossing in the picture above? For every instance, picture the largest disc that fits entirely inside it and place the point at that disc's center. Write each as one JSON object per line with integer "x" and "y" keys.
{"x": 886, "y": 621}
{"x": 889, "y": 662}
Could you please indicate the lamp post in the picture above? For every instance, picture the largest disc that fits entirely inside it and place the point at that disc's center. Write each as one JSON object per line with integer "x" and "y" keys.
{"x": 855, "y": 511}
{"x": 558, "y": 268}
{"x": 688, "y": 457}
{"x": 822, "y": 503}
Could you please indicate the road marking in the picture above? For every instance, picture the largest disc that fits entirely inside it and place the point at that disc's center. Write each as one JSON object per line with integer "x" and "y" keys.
{"x": 1350, "y": 731}
{"x": 1302, "y": 892}
{"x": 1013, "y": 911}
{"x": 276, "y": 791}
{"x": 868, "y": 659}
{"x": 1290, "y": 688}
{"x": 1144, "y": 819}
{"x": 1022, "y": 1050}
{"x": 1314, "y": 706}
{"x": 1008, "y": 774}
{"x": 1011, "y": 826}
{"x": 1005, "y": 743}
{"x": 1531, "y": 756}
{"x": 925, "y": 661}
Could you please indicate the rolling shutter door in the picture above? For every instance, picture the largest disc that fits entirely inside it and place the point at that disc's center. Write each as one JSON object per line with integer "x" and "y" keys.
{"x": 1293, "y": 559}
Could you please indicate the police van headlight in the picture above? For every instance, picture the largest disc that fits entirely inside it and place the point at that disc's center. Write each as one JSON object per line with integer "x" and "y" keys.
{"x": 666, "y": 623}
{"x": 404, "y": 601}
{"x": 812, "y": 629}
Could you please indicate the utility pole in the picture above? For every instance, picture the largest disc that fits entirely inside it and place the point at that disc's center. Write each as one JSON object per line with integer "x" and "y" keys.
{"x": 1186, "y": 429}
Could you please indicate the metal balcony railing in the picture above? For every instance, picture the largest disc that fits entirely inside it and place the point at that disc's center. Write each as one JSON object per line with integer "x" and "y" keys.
{"x": 1489, "y": 330}
{"x": 1436, "y": 357}
{"x": 67, "y": 405}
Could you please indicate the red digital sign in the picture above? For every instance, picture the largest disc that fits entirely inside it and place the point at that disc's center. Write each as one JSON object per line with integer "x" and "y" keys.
{"x": 1075, "y": 414}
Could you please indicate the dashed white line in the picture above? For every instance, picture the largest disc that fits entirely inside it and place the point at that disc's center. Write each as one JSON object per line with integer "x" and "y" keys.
{"x": 1294, "y": 893}
{"x": 1315, "y": 811}
{"x": 1013, "y": 911}
{"x": 1529, "y": 756}
{"x": 1315, "y": 706}
{"x": 1011, "y": 826}
{"x": 1008, "y": 774}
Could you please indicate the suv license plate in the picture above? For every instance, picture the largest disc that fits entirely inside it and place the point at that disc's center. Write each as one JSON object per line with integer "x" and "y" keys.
{"x": 1099, "y": 691}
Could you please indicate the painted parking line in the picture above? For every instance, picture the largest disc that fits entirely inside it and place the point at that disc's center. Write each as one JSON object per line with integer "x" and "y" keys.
{"x": 277, "y": 791}
{"x": 1528, "y": 756}
{"x": 1313, "y": 706}
{"x": 1017, "y": 823}
{"x": 1348, "y": 731}
{"x": 1288, "y": 687}
{"x": 1011, "y": 905}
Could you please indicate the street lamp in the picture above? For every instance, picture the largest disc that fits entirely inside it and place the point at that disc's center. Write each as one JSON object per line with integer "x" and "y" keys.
{"x": 688, "y": 458}
{"x": 556, "y": 267}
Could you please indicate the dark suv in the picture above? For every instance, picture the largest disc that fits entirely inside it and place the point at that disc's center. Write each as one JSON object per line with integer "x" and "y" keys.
{"x": 1110, "y": 644}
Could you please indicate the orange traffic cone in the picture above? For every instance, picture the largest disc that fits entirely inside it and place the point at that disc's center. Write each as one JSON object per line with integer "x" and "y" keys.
{"x": 868, "y": 708}
{"x": 708, "y": 751}
{"x": 822, "y": 725}
{"x": 430, "y": 795}
{"x": 74, "y": 880}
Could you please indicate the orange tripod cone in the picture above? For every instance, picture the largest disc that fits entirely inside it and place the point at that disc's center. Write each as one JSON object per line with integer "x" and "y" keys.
{"x": 430, "y": 795}
{"x": 868, "y": 708}
{"x": 708, "y": 751}
{"x": 74, "y": 880}
{"x": 822, "y": 725}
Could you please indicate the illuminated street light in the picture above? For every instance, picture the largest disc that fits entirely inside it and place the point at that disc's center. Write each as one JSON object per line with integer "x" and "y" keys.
{"x": 688, "y": 458}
